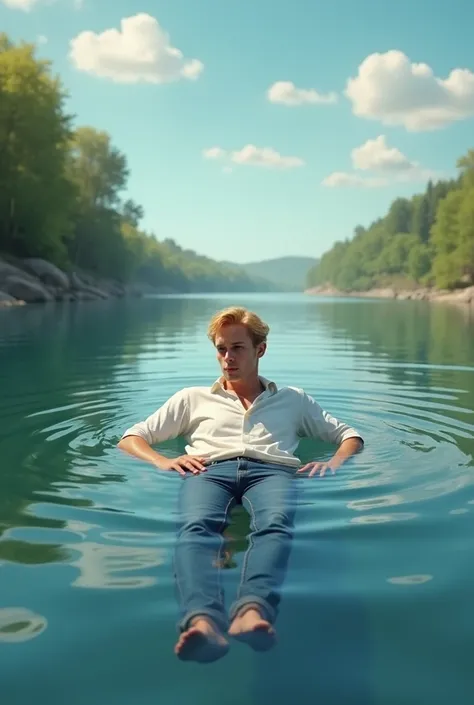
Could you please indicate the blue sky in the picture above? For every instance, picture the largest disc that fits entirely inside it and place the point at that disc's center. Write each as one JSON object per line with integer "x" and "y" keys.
{"x": 265, "y": 75}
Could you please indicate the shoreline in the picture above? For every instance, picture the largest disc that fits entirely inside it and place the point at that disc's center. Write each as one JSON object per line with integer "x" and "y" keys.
{"x": 34, "y": 280}
{"x": 463, "y": 296}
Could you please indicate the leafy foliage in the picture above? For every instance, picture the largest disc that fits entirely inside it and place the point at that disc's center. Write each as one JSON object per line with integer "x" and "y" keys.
{"x": 428, "y": 240}
{"x": 35, "y": 194}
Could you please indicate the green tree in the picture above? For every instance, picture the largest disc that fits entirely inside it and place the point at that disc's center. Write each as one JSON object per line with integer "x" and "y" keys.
{"x": 394, "y": 257}
{"x": 466, "y": 167}
{"x": 452, "y": 235}
{"x": 99, "y": 173}
{"x": 419, "y": 261}
{"x": 399, "y": 218}
{"x": 35, "y": 195}
{"x": 97, "y": 168}
{"x": 422, "y": 214}
{"x": 132, "y": 212}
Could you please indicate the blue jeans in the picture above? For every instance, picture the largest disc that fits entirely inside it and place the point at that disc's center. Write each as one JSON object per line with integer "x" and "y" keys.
{"x": 268, "y": 492}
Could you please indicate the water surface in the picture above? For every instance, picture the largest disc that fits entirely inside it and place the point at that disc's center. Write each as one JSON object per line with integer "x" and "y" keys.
{"x": 377, "y": 607}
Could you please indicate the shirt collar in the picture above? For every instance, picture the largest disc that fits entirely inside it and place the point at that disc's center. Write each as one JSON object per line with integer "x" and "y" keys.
{"x": 268, "y": 384}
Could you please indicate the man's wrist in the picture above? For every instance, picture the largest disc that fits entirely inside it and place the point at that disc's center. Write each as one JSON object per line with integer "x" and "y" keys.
{"x": 336, "y": 463}
{"x": 160, "y": 461}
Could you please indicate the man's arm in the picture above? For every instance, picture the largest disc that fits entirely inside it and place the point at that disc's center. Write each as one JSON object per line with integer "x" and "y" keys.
{"x": 349, "y": 447}
{"x": 346, "y": 450}
{"x": 169, "y": 421}
{"x": 139, "y": 448}
{"x": 318, "y": 423}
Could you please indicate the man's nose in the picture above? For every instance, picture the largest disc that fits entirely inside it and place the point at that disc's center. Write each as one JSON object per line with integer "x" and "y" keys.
{"x": 228, "y": 355}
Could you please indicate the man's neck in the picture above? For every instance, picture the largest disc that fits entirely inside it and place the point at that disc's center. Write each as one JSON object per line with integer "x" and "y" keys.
{"x": 248, "y": 389}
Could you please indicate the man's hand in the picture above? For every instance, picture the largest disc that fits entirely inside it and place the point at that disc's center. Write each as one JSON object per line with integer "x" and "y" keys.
{"x": 347, "y": 448}
{"x": 318, "y": 469}
{"x": 191, "y": 463}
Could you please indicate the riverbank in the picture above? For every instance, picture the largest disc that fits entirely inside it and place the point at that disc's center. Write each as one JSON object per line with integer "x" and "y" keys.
{"x": 33, "y": 280}
{"x": 457, "y": 296}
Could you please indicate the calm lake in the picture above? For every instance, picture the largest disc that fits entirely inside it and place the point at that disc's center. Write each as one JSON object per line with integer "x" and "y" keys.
{"x": 378, "y": 604}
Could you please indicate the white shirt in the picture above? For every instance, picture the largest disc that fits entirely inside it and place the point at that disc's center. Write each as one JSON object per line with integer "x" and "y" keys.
{"x": 216, "y": 426}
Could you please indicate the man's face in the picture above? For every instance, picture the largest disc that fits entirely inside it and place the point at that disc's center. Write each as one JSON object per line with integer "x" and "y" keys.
{"x": 236, "y": 353}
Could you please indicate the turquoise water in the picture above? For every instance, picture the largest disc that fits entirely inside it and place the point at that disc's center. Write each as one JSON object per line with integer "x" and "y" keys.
{"x": 378, "y": 604}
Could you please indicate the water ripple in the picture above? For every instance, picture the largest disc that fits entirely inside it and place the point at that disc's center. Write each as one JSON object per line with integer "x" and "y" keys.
{"x": 86, "y": 521}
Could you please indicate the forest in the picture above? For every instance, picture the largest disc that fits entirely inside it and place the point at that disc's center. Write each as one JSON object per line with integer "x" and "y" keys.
{"x": 61, "y": 189}
{"x": 427, "y": 240}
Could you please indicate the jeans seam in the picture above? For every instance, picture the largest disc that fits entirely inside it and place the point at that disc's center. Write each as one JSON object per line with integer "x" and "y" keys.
{"x": 249, "y": 548}
{"x": 219, "y": 553}
{"x": 219, "y": 583}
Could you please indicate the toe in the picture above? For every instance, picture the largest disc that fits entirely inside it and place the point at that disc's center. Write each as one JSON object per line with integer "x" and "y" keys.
{"x": 261, "y": 637}
{"x": 200, "y": 647}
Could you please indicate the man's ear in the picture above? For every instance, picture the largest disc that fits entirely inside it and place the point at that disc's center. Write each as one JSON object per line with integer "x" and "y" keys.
{"x": 261, "y": 350}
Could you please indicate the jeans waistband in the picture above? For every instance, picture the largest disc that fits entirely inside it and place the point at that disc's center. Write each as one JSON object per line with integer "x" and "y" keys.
{"x": 242, "y": 457}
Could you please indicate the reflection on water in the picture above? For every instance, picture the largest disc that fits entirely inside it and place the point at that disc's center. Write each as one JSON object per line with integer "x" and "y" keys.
{"x": 387, "y": 501}
{"x": 102, "y": 566}
{"x": 410, "y": 579}
{"x": 462, "y": 510}
{"x": 383, "y": 518}
{"x": 379, "y": 548}
{"x": 19, "y": 624}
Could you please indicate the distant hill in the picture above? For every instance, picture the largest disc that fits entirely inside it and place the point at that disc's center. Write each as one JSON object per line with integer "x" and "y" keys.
{"x": 285, "y": 273}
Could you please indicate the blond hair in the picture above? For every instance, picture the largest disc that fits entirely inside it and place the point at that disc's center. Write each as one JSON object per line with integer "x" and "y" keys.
{"x": 257, "y": 329}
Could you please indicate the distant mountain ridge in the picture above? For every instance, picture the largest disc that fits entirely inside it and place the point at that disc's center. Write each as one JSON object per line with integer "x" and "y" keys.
{"x": 285, "y": 273}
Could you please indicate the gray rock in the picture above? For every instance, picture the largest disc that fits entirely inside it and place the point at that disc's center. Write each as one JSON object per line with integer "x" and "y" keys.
{"x": 9, "y": 270}
{"x": 462, "y": 296}
{"x": 29, "y": 291}
{"x": 77, "y": 283}
{"x": 96, "y": 292}
{"x": 86, "y": 292}
{"x": 6, "y": 297}
{"x": 66, "y": 296}
{"x": 47, "y": 272}
{"x": 7, "y": 300}
{"x": 81, "y": 279}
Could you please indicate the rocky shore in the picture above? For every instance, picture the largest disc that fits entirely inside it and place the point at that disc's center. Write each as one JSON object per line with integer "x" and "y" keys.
{"x": 458, "y": 296}
{"x": 33, "y": 280}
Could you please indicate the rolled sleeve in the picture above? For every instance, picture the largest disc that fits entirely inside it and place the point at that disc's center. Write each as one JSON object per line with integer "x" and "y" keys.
{"x": 316, "y": 422}
{"x": 169, "y": 421}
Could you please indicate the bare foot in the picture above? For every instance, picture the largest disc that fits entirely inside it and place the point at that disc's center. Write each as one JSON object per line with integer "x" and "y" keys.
{"x": 251, "y": 628}
{"x": 202, "y": 642}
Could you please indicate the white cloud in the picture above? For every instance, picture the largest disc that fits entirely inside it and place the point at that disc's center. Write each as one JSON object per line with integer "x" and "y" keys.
{"x": 287, "y": 93}
{"x": 265, "y": 156}
{"x": 139, "y": 52}
{"x": 389, "y": 164}
{"x": 389, "y": 88}
{"x": 41, "y": 39}
{"x": 25, "y": 5}
{"x": 345, "y": 179}
{"x": 376, "y": 154}
{"x": 251, "y": 155}
{"x": 214, "y": 153}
